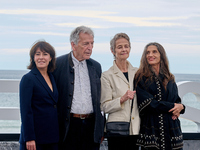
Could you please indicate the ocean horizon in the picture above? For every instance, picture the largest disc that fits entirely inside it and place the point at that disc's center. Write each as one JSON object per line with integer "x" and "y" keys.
{"x": 12, "y": 100}
{"x": 17, "y": 74}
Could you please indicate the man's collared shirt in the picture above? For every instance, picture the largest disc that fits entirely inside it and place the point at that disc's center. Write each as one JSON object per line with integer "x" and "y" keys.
{"x": 82, "y": 100}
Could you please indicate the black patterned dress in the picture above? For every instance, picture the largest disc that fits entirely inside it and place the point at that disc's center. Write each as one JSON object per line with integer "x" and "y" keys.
{"x": 158, "y": 130}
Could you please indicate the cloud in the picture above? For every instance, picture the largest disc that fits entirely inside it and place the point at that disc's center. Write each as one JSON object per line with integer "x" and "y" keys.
{"x": 138, "y": 47}
{"x": 101, "y": 47}
{"x": 13, "y": 51}
{"x": 104, "y": 15}
{"x": 77, "y": 24}
{"x": 19, "y": 51}
{"x": 104, "y": 47}
{"x": 138, "y": 21}
{"x": 80, "y": 13}
{"x": 47, "y": 33}
{"x": 182, "y": 49}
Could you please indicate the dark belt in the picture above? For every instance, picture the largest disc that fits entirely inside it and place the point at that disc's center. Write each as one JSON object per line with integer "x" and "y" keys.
{"x": 82, "y": 116}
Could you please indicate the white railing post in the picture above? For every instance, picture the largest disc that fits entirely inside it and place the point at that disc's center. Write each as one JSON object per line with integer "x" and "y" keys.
{"x": 9, "y": 113}
{"x": 9, "y": 86}
{"x": 191, "y": 113}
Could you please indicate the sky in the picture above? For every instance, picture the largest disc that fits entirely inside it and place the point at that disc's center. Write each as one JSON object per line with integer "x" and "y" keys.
{"x": 175, "y": 24}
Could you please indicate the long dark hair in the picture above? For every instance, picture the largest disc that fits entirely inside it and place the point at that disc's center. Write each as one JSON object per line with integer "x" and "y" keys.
{"x": 146, "y": 70}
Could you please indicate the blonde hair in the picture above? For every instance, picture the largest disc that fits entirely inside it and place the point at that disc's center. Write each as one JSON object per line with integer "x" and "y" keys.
{"x": 115, "y": 38}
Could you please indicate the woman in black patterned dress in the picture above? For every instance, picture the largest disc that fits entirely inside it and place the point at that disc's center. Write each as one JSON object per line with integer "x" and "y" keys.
{"x": 158, "y": 102}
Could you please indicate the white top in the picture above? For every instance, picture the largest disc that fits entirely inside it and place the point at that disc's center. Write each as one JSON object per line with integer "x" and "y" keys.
{"x": 82, "y": 100}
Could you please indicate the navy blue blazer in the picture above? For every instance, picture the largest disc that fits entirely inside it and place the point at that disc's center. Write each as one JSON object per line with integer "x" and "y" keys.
{"x": 38, "y": 107}
{"x": 64, "y": 77}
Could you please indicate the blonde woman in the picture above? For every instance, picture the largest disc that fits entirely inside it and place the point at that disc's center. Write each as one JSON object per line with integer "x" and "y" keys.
{"x": 117, "y": 93}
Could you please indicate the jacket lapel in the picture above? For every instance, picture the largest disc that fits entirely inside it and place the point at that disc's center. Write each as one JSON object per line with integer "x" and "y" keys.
{"x": 131, "y": 75}
{"x": 53, "y": 94}
{"x": 43, "y": 82}
{"x": 92, "y": 76}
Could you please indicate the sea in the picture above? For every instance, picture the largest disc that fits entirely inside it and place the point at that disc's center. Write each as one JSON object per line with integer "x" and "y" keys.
{"x": 12, "y": 100}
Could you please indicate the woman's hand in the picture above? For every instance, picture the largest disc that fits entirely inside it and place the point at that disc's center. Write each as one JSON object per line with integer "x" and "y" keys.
{"x": 175, "y": 117}
{"x": 176, "y": 110}
{"x": 128, "y": 95}
{"x": 30, "y": 145}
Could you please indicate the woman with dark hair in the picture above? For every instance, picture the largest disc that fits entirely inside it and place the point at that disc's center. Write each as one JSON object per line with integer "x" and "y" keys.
{"x": 38, "y": 101}
{"x": 158, "y": 101}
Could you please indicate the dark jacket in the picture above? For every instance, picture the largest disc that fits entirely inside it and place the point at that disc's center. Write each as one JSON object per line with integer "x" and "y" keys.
{"x": 38, "y": 109}
{"x": 158, "y": 130}
{"x": 64, "y": 77}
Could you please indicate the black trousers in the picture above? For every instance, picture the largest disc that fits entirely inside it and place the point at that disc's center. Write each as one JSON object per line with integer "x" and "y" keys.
{"x": 80, "y": 135}
{"x": 123, "y": 143}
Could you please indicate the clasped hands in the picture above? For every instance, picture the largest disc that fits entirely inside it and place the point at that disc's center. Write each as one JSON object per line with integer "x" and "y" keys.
{"x": 176, "y": 110}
